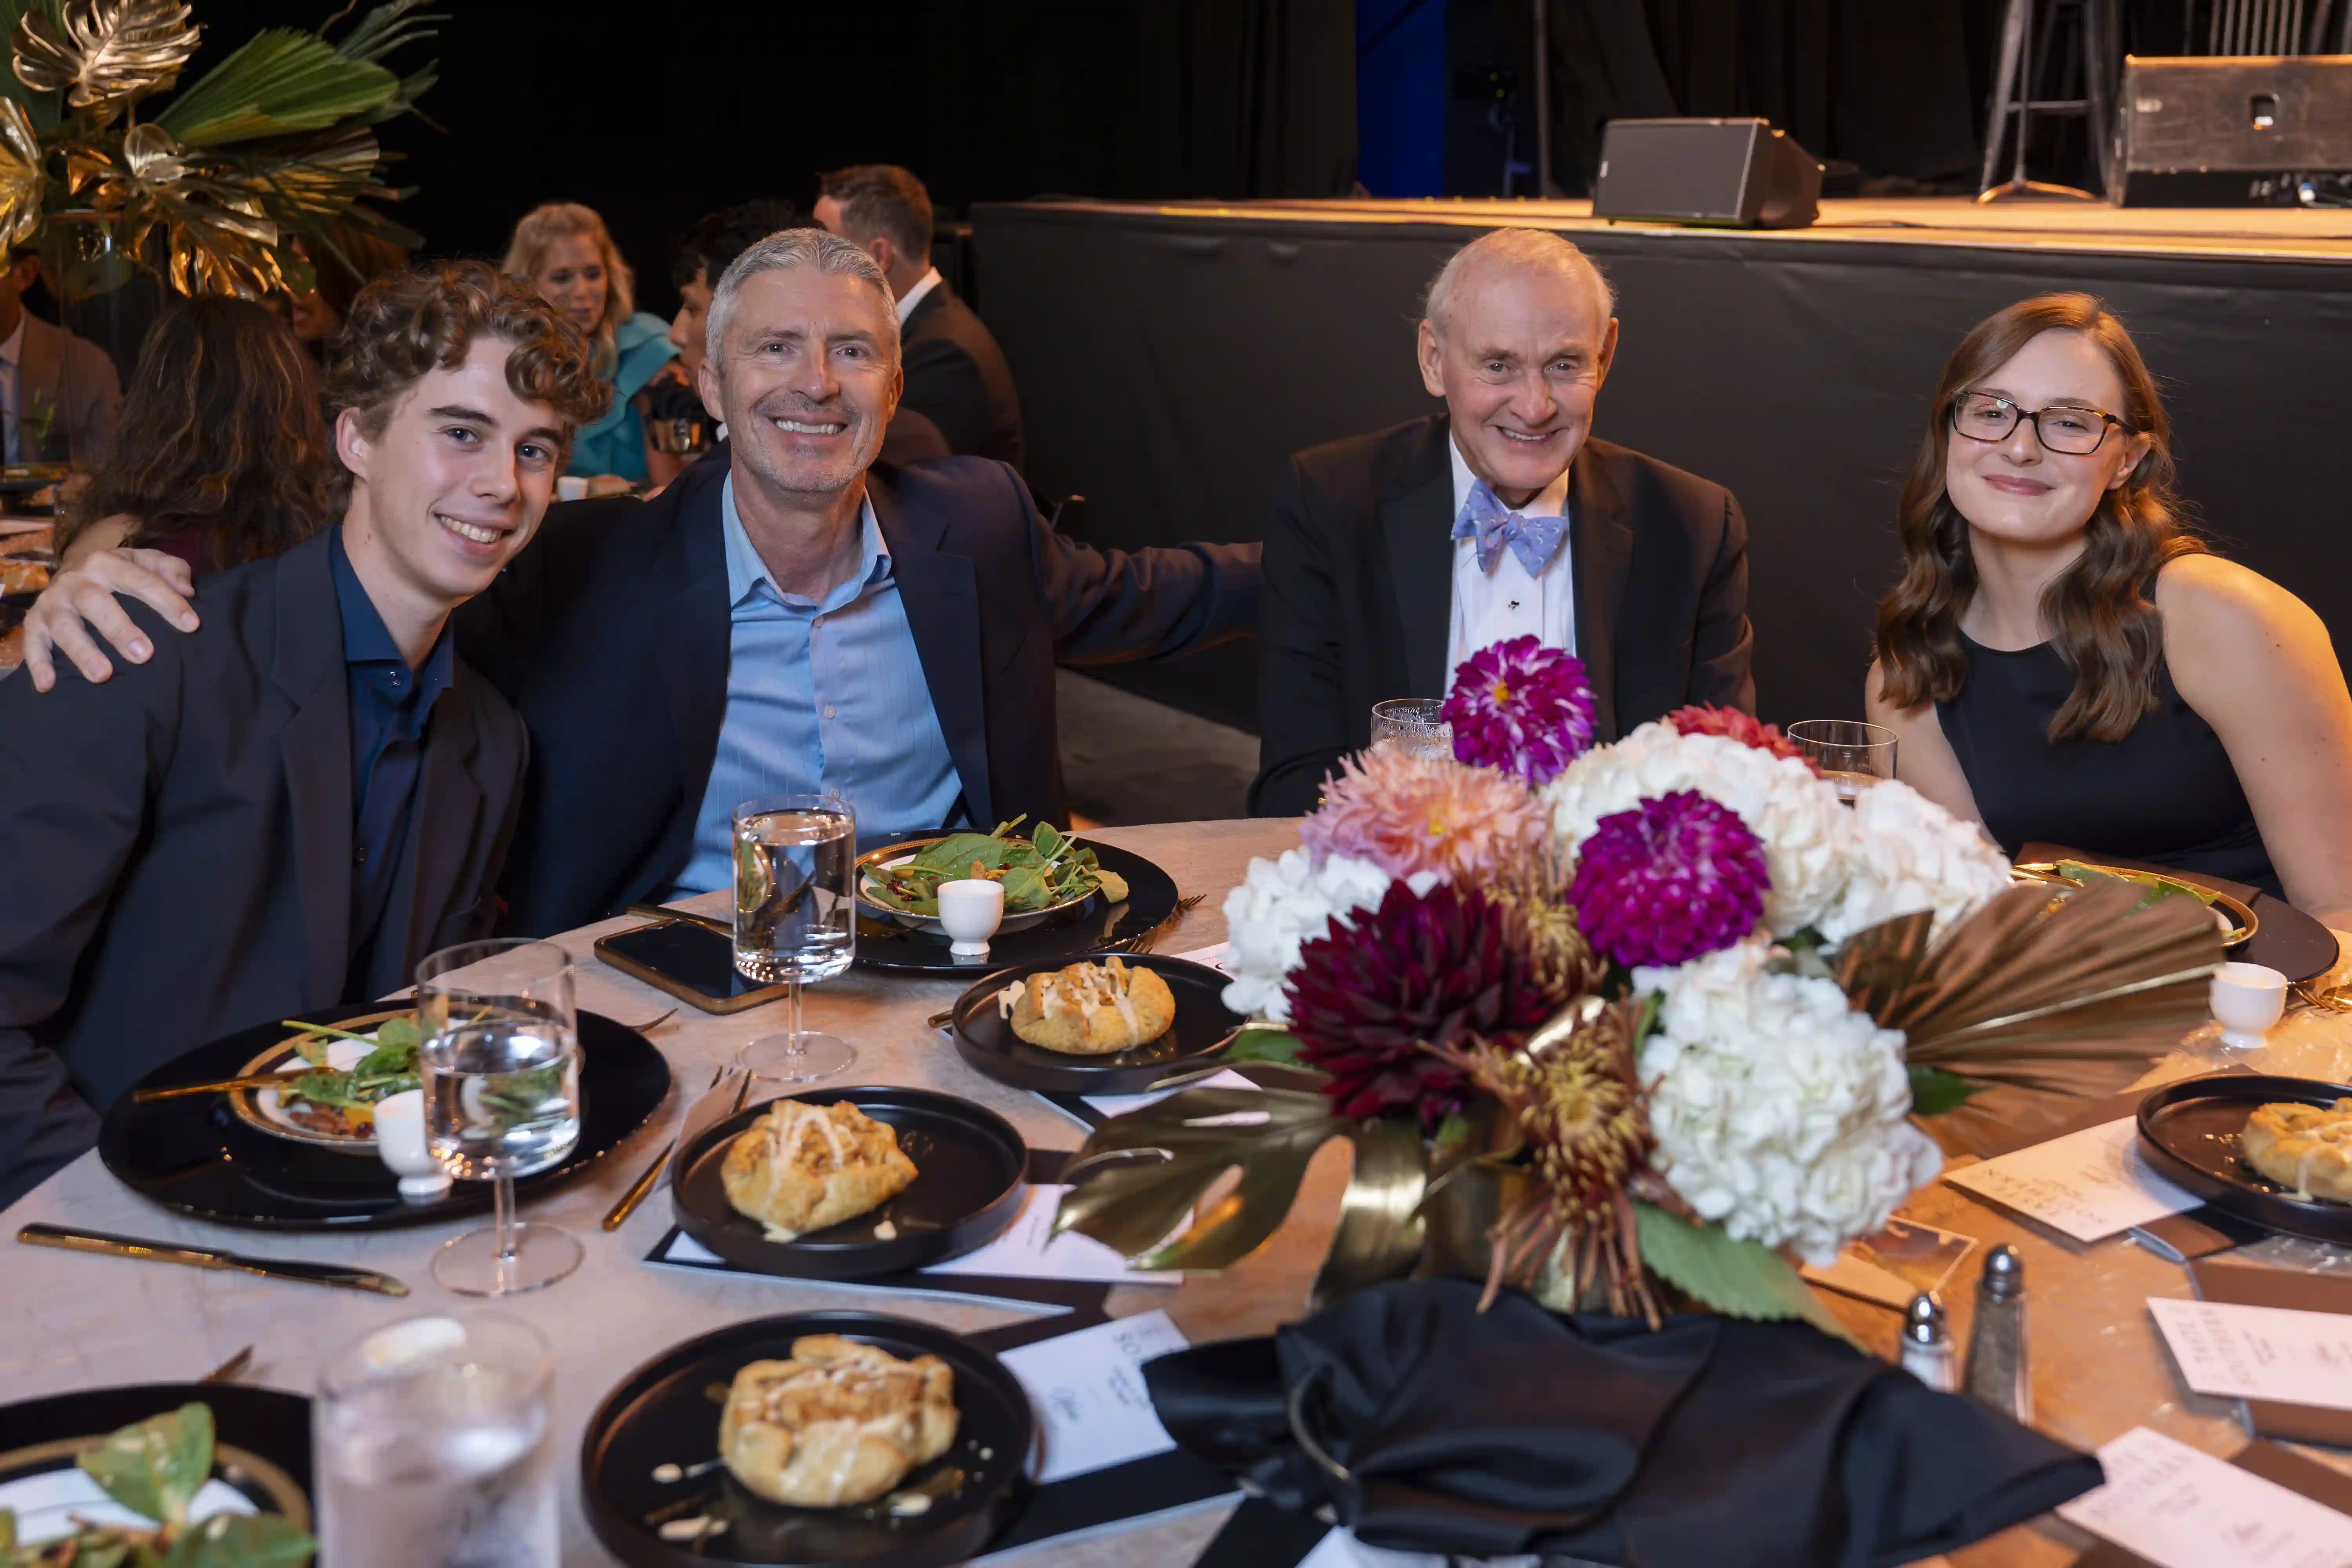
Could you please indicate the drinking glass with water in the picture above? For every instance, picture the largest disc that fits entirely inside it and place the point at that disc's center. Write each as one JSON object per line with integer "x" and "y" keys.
{"x": 433, "y": 1444}
{"x": 1412, "y": 725}
{"x": 1851, "y": 754}
{"x": 796, "y": 920}
{"x": 501, "y": 1065}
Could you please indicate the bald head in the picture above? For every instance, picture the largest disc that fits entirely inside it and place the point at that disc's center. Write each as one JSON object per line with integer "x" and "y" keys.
{"x": 1506, "y": 252}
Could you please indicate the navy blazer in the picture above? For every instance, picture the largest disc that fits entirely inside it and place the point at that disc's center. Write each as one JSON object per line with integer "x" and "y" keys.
{"x": 610, "y": 632}
{"x": 176, "y": 844}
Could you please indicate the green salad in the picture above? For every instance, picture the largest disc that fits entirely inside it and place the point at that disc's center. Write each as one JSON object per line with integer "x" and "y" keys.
{"x": 343, "y": 1099}
{"x": 1046, "y": 868}
{"x": 155, "y": 1468}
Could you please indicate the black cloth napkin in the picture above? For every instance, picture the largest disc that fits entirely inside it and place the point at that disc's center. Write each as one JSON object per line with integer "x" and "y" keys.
{"x": 1710, "y": 1442}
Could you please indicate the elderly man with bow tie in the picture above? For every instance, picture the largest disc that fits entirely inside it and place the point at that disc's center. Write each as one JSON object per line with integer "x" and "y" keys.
{"x": 1391, "y": 558}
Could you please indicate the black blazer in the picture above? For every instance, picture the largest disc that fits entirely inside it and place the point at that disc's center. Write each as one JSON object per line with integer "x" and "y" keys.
{"x": 611, "y": 633}
{"x": 1359, "y": 595}
{"x": 178, "y": 845}
{"x": 957, "y": 378}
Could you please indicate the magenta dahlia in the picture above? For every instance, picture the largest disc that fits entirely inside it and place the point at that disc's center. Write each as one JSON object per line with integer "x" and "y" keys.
{"x": 1422, "y": 970}
{"x": 1678, "y": 876}
{"x": 1520, "y": 706}
{"x": 1732, "y": 724}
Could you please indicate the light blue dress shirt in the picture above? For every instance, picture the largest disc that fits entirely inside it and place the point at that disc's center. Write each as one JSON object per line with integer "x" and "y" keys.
{"x": 820, "y": 697}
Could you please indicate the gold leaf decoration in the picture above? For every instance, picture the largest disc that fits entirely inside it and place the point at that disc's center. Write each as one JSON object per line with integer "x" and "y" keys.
{"x": 97, "y": 51}
{"x": 20, "y": 175}
{"x": 153, "y": 157}
{"x": 1380, "y": 1232}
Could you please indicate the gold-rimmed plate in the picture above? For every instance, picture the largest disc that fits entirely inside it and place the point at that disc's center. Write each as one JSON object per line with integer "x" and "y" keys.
{"x": 263, "y": 1110}
{"x": 2237, "y": 920}
{"x": 898, "y": 854}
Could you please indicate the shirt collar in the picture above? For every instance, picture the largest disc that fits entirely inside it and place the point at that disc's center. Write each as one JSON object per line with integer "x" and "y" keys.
{"x": 747, "y": 573}
{"x": 12, "y": 349}
{"x": 1550, "y": 502}
{"x": 366, "y": 639}
{"x": 914, "y": 297}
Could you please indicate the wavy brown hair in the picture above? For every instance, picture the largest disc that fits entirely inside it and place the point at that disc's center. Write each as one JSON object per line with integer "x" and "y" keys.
{"x": 2101, "y": 610}
{"x": 221, "y": 432}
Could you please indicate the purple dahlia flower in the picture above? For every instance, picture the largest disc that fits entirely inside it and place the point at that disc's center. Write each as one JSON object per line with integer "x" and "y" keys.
{"x": 1678, "y": 877}
{"x": 1520, "y": 706}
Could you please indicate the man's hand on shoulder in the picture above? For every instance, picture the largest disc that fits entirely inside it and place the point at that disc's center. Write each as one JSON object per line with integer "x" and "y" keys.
{"x": 80, "y": 601}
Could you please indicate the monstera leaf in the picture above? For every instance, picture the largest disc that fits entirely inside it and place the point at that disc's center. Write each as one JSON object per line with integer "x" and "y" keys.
{"x": 278, "y": 82}
{"x": 103, "y": 51}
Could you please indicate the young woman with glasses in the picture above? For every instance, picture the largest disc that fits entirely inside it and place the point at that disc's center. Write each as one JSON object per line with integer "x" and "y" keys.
{"x": 2063, "y": 662}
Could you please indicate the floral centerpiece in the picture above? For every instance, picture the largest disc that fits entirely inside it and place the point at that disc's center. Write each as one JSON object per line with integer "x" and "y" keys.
{"x": 1601, "y": 1019}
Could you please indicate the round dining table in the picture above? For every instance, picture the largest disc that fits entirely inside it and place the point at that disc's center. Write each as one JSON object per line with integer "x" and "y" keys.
{"x": 77, "y": 1322}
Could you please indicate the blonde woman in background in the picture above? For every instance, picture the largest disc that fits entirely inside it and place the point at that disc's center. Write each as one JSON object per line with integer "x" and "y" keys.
{"x": 565, "y": 253}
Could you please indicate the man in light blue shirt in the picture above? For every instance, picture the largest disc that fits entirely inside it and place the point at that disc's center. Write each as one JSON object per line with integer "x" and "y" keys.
{"x": 874, "y": 738}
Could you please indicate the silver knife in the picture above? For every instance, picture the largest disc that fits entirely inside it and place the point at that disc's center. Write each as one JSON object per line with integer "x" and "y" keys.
{"x": 165, "y": 1252}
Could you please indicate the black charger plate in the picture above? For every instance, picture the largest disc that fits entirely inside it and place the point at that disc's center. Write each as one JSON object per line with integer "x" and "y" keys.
{"x": 1150, "y": 899}
{"x": 972, "y": 1173}
{"x": 262, "y": 1437}
{"x": 1203, "y": 1025}
{"x": 2188, "y": 1130}
{"x": 665, "y": 1413}
{"x": 197, "y": 1155}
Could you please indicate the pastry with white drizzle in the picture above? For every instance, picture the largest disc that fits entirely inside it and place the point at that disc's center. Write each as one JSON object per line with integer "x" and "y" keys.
{"x": 802, "y": 1167}
{"x": 839, "y": 1424}
{"x": 2305, "y": 1148}
{"x": 1090, "y": 1009}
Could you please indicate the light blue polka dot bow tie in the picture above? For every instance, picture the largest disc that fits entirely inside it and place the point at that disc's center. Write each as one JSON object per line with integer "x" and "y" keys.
{"x": 1534, "y": 539}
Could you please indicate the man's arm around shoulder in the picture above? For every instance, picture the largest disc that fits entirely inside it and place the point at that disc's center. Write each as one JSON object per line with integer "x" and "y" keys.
{"x": 1109, "y": 606}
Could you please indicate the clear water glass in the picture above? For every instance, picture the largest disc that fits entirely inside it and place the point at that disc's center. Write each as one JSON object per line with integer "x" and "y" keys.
{"x": 433, "y": 1444}
{"x": 796, "y": 920}
{"x": 501, "y": 1064}
{"x": 1410, "y": 724}
{"x": 1850, "y": 753}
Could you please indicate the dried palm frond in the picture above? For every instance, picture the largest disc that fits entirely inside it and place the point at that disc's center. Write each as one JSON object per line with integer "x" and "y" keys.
{"x": 2069, "y": 994}
{"x": 20, "y": 174}
{"x": 97, "y": 51}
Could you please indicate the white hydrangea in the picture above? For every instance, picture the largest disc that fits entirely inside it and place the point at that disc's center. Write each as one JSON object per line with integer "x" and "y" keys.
{"x": 1281, "y": 905}
{"x": 1779, "y": 1110}
{"x": 1905, "y": 853}
{"x": 1781, "y": 799}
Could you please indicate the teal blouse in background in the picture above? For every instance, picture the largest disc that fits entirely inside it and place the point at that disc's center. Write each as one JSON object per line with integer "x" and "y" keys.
{"x": 616, "y": 443}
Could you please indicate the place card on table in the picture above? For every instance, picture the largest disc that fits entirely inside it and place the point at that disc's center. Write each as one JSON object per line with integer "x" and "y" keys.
{"x": 1091, "y": 1111}
{"x": 2324, "y": 1296}
{"x": 2089, "y": 1184}
{"x": 2259, "y": 1352}
{"x": 2170, "y": 1505}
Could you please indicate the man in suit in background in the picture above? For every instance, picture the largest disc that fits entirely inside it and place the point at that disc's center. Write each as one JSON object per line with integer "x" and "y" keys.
{"x": 58, "y": 393}
{"x": 956, "y": 376}
{"x": 1391, "y": 558}
{"x": 293, "y": 804}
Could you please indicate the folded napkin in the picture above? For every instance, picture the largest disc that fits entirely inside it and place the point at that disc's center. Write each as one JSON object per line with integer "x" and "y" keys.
{"x": 1710, "y": 1442}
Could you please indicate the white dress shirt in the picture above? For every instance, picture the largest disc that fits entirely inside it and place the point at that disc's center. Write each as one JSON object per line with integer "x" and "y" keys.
{"x": 914, "y": 297}
{"x": 1490, "y": 606}
{"x": 12, "y": 353}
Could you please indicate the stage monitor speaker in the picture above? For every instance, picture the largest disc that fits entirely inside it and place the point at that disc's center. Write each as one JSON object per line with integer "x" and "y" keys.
{"x": 1740, "y": 174}
{"x": 2230, "y": 132}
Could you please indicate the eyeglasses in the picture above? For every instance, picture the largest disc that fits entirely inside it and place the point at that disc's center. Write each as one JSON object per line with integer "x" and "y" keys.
{"x": 2077, "y": 432}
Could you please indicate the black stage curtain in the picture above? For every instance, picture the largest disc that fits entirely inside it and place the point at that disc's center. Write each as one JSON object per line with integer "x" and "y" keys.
{"x": 1886, "y": 86}
{"x": 1169, "y": 364}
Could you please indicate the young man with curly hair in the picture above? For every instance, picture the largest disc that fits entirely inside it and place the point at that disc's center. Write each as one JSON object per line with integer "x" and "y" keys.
{"x": 289, "y": 806}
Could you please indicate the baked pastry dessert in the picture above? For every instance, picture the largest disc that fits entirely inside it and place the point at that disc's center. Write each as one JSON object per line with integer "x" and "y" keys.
{"x": 1089, "y": 1009}
{"x": 2306, "y": 1148}
{"x": 801, "y": 1167}
{"x": 840, "y": 1423}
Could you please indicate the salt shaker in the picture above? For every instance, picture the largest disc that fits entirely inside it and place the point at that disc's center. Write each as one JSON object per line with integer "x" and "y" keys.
{"x": 1928, "y": 1344}
{"x": 1997, "y": 1372}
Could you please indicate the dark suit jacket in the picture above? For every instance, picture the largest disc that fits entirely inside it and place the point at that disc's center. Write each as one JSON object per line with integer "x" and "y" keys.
{"x": 611, "y": 633}
{"x": 1359, "y": 595}
{"x": 957, "y": 378}
{"x": 177, "y": 845}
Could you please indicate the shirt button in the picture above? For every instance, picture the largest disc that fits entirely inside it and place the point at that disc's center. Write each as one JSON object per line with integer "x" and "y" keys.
{"x": 828, "y": 710}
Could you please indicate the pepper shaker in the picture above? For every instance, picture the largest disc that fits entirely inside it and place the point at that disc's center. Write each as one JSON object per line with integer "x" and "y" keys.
{"x": 1997, "y": 1373}
{"x": 1928, "y": 1344}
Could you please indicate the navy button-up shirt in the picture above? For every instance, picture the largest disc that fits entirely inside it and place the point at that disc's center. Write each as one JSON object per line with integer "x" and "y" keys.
{"x": 390, "y": 704}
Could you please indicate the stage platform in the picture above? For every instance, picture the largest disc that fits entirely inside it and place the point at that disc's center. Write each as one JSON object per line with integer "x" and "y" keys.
{"x": 1171, "y": 355}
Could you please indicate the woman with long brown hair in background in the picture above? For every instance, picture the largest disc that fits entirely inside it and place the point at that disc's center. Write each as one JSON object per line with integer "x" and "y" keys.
{"x": 221, "y": 454}
{"x": 2065, "y": 663}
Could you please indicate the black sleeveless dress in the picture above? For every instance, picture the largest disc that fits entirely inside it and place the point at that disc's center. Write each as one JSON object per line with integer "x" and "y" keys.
{"x": 2164, "y": 794}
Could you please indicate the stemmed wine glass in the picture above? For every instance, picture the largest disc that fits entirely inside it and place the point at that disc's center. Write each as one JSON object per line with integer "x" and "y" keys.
{"x": 1851, "y": 754}
{"x": 501, "y": 1063}
{"x": 796, "y": 920}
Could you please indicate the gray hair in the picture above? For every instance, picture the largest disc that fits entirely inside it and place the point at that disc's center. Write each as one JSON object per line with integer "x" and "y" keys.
{"x": 793, "y": 251}
{"x": 1528, "y": 248}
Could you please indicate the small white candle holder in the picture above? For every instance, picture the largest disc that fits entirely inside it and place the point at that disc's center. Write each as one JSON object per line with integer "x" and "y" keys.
{"x": 400, "y": 1144}
{"x": 970, "y": 913}
{"x": 2248, "y": 999}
